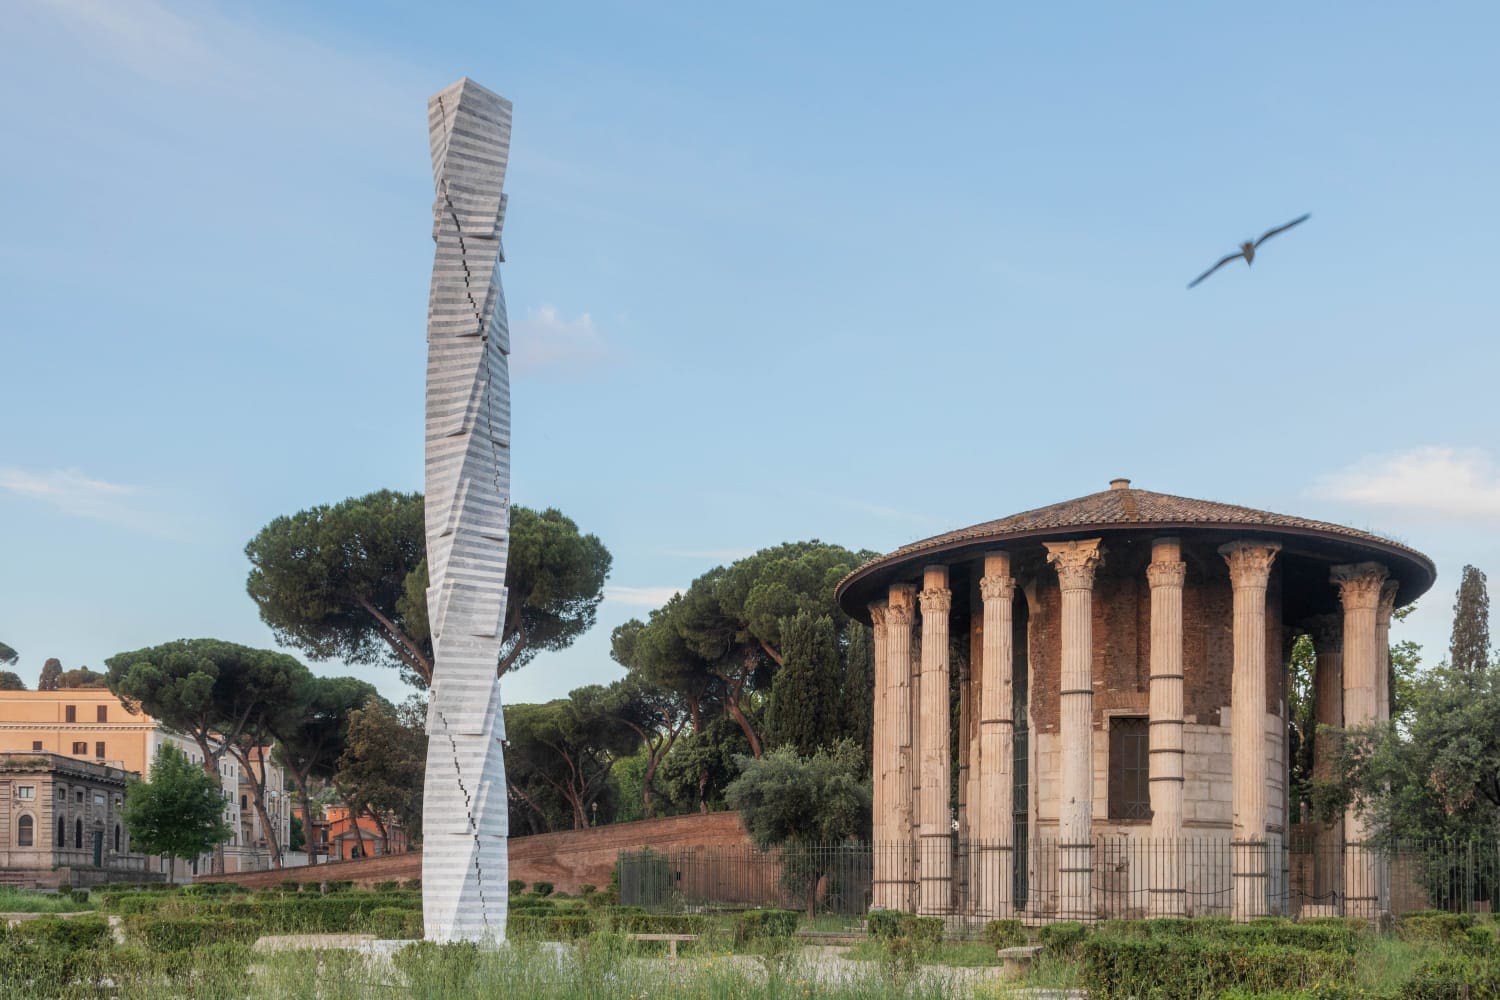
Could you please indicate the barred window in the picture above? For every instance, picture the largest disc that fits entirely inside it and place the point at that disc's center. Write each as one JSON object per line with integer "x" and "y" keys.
{"x": 25, "y": 831}
{"x": 1129, "y": 768}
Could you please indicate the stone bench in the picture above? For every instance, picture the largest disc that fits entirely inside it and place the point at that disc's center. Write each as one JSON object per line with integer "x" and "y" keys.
{"x": 1017, "y": 960}
{"x": 671, "y": 940}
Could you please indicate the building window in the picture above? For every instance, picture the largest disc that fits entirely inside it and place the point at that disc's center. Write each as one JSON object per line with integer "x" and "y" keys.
{"x": 78, "y": 796}
{"x": 98, "y": 798}
{"x": 99, "y": 749}
{"x": 1129, "y": 768}
{"x": 25, "y": 791}
{"x": 36, "y": 744}
{"x": 117, "y": 838}
{"x": 62, "y": 832}
{"x": 101, "y": 713}
{"x": 25, "y": 831}
{"x": 80, "y": 748}
{"x": 70, "y": 713}
{"x": 78, "y": 834}
{"x": 62, "y": 793}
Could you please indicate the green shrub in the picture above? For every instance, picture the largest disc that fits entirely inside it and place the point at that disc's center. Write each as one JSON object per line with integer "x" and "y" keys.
{"x": 517, "y": 886}
{"x": 387, "y": 886}
{"x": 659, "y": 923}
{"x": 412, "y": 885}
{"x": 79, "y": 896}
{"x": 587, "y": 889}
{"x": 77, "y": 934}
{"x": 1062, "y": 939}
{"x": 394, "y": 923}
{"x": 1186, "y": 968}
{"x": 1434, "y": 925}
{"x": 64, "y": 887}
{"x": 291, "y": 885}
{"x": 161, "y": 934}
{"x": 926, "y": 933}
{"x": 553, "y": 927}
{"x": 886, "y": 924}
{"x": 1004, "y": 934}
{"x": 764, "y": 925}
{"x": 214, "y": 889}
{"x": 542, "y": 888}
{"x": 342, "y": 885}
{"x": 1455, "y": 977}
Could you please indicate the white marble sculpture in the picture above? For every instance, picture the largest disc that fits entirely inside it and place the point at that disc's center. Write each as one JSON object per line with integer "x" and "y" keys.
{"x": 464, "y": 867}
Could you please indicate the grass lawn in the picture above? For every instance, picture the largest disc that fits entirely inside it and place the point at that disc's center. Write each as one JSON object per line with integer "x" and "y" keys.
{"x": 25, "y": 901}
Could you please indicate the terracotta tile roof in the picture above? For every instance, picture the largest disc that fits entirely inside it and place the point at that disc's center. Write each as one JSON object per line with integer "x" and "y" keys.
{"x": 1124, "y": 507}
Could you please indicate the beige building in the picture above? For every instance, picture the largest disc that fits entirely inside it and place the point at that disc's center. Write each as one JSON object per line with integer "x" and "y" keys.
{"x": 60, "y": 822}
{"x": 1116, "y": 669}
{"x": 91, "y": 724}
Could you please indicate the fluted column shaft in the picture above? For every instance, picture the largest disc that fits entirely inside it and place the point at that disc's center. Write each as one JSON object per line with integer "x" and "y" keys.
{"x": 994, "y": 834}
{"x": 900, "y": 613}
{"x": 1327, "y": 633}
{"x": 1360, "y": 586}
{"x": 936, "y": 855}
{"x": 1166, "y": 574}
{"x": 1249, "y": 573}
{"x": 884, "y": 766}
{"x": 1076, "y": 562}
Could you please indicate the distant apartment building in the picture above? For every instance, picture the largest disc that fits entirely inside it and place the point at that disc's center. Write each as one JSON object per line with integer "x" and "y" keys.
{"x": 91, "y": 724}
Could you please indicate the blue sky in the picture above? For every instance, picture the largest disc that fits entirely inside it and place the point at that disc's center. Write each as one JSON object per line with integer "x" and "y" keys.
{"x": 861, "y": 273}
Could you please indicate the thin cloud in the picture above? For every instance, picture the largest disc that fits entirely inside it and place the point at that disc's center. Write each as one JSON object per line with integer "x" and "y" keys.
{"x": 640, "y": 597}
{"x": 1438, "y": 480}
{"x": 76, "y": 494}
{"x": 545, "y": 339}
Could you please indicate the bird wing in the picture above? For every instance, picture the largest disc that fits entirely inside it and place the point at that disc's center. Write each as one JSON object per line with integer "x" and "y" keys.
{"x": 1281, "y": 229}
{"x": 1226, "y": 260}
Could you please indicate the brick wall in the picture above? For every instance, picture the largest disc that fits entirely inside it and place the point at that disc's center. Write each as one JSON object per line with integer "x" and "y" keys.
{"x": 567, "y": 860}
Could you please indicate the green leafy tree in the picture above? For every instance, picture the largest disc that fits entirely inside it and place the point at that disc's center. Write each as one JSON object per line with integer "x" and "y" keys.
{"x": 658, "y": 717}
{"x": 382, "y": 765}
{"x": 195, "y": 686}
{"x": 51, "y": 671}
{"x": 859, "y": 689}
{"x": 298, "y": 838}
{"x": 313, "y": 735}
{"x": 1469, "y": 648}
{"x": 8, "y": 655}
{"x": 11, "y": 681}
{"x": 81, "y": 677}
{"x": 802, "y": 802}
{"x": 805, "y": 709}
{"x": 568, "y": 747}
{"x": 349, "y": 581}
{"x": 329, "y": 579}
{"x": 179, "y": 812}
{"x": 701, "y": 765}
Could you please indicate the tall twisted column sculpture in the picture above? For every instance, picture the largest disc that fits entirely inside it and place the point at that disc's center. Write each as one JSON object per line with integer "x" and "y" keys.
{"x": 464, "y": 864}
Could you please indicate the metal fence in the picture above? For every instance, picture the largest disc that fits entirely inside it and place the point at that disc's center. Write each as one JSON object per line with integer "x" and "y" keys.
{"x": 1125, "y": 877}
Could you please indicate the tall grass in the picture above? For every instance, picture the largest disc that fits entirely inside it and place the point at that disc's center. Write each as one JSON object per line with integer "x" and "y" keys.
{"x": 24, "y": 901}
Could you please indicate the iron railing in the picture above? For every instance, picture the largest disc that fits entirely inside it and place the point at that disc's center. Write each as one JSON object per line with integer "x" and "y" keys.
{"x": 1110, "y": 877}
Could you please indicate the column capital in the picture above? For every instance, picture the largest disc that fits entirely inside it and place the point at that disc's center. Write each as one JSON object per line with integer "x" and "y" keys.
{"x": 1387, "y": 605}
{"x": 877, "y": 617}
{"x": 1327, "y": 633}
{"x": 997, "y": 588}
{"x": 1166, "y": 574}
{"x": 901, "y": 608}
{"x": 1359, "y": 584}
{"x": 936, "y": 601}
{"x": 1249, "y": 562}
{"x": 1076, "y": 562}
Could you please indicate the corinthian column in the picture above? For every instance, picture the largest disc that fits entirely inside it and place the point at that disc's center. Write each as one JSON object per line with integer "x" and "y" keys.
{"x": 1076, "y": 562}
{"x": 936, "y": 837}
{"x": 1249, "y": 572}
{"x": 884, "y": 766}
{"x": 1166, "y": 575}
{"x": 993, "y": 835}
{"x": 900, "y": 612}
{"x": 1360, "y": 587}
{"x": 1327, "y": 633}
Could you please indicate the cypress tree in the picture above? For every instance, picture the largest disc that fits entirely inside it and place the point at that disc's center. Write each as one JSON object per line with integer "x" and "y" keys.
{"x": 1469, "y": 649}
{"x": 805, "y": 712}
{"x": 859, "y": 688}
{"x": 51, "y": 671}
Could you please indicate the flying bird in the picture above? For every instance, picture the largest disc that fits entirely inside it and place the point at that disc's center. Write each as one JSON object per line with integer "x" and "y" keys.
{"x": 1247, "y": 249}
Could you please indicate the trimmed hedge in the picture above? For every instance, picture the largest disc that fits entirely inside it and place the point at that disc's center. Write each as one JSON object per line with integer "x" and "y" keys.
{"x": 552, "y": 927}
{"x": 1186, "y": 968}
{"x": 69, "y": 935}
{"x": 886, "y": 925}
{"x": 161, "y": 934}
{"x": 1005, "y": 934}
{"x": 1455, "y": 976}
{"x": 658, "y": 923}
{"x": 1434, "y": 925}
{"x": 1062, "y": 939}
{"x": 394, "y": 923}
{"x": 764, "y": 925}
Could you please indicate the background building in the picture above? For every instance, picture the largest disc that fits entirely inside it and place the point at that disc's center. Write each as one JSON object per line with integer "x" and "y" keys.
{"x": 92, "y": 724}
